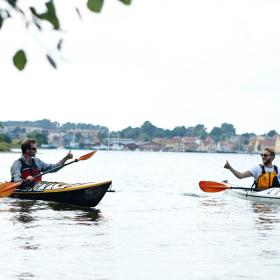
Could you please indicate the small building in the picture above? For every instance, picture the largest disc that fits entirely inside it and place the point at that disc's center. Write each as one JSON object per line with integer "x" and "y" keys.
{"x": 150, "y": 146}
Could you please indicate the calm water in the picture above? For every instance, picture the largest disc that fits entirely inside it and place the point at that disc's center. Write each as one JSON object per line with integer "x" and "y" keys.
{"x": 157, "y": 225}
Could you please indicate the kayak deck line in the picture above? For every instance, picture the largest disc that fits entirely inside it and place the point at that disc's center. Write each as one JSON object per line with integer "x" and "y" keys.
{"x": 62, "y": 187}
{"x": 271, "y": 194}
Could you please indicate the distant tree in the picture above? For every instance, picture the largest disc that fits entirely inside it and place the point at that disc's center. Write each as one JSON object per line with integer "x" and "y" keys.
{"x": 5, "y": 138}
{"x": 160, "y": 133}
{"x": 216, "y": 133}
{"x": 103, "y": 133}
{"x": 227, "y": 131}
{"x": 19, "y": 130}
{"x": 46, "y": 124}
{"x": 148, "y": 128}
{"x": 68, "y": 126}
{"x": 39, "y": 137}
{"x": 169, "y": 134}
{"x": 272, "y": 133}
{"x": 144, "y": 137}
{"x": 197, "y": 131}
{"x": 85, "y": 126}
{"x": 33, "y": 19}
{"x": 180, "y": 131}
{"x": 245, "y": 138}
{"x": 78, "y": 137}
{"x": 130, "y": 132}
{"x": 190, "y": 131}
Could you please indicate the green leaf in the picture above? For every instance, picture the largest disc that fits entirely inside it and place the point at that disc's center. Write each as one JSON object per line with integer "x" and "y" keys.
{"x": 95, "y": 5}
{"x": 20, "y": 60}
{"x": 49, "y": 16}
{"x": 51, "y": 61}
{"x": 127, "y": 2}
{"x": 12, "y": 2}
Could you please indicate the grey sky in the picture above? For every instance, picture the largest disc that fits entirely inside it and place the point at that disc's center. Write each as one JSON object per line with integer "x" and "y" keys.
{"x": 178, "y": 62}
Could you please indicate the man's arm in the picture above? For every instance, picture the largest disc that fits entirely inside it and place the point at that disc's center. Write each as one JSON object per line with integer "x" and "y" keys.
{"x": 239, "y": 175}
{"x": 68, "y": 156}
{"x": 46, "y": 166}
{"x": 15, "y": 171}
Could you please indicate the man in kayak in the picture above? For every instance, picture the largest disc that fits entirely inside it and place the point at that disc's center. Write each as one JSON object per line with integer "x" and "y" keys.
{"x": 28, "y": 165}
{"x": 265, "y": 175}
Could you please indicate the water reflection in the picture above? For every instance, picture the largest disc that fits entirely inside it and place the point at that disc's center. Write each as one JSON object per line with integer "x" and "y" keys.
{"x": 23, "y": 210}
{"x": 267, "y": 216}
{"x": 82, "y": 215}
{"x": 26, "y": 242}
{"x": 88, "y": 217}
{"x": 32, "y": 214}
{"x": 193, "y": 195}
{"x": 267, "y": 219}
{"x": 24, "y": 276}
{"x": 213, "y": 202}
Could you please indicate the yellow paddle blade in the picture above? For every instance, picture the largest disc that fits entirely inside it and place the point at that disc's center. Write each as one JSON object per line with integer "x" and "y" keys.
{"x": 87, "y": 156}
{"x": 210, "y": 186}
{"x": 8, "y": 188}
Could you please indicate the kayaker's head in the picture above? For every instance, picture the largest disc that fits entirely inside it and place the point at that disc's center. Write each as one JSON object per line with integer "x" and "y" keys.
{"x": 29, "y": 147}
{"x": 268, "y": 155}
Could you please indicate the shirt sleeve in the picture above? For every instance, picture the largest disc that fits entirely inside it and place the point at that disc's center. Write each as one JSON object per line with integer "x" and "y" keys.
{"x": 15, "y": 171}
{"x": 47, "y": 166}
{"x": 256, "y": 171}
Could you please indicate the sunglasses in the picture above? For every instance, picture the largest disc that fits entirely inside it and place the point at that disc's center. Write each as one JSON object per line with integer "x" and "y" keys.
{"x": 265, "y": 155}
{"x": 33, "y": 149}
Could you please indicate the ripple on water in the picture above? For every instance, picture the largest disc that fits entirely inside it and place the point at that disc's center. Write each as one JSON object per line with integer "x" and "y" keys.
{"x": 159, "y": 225}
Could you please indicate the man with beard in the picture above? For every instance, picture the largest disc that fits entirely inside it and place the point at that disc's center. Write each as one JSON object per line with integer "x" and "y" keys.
{"x": 28, "y": 167}
{"x": 265, "y": 175}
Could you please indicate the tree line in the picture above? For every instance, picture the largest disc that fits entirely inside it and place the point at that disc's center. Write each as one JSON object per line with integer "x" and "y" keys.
{"x": 146, "y": 132}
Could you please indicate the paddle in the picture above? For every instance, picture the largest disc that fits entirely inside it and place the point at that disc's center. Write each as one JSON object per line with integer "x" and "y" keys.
{"x": 211, "y": 186}
{"x": 8, "y": 188}
{"x": 84, "y": 157}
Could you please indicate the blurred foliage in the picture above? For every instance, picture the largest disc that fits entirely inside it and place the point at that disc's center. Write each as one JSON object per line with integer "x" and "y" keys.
{"x": 5, "y": 142}
{"x": 44, "y": 123}
{"x": 5, "y": 138}
{"x": 272, "y": 133}
{"x": 148, "y": 131}
{"x": 4, "y": 147}
{"x": 225, "y": 132}
{"x": 33, "y": 18}
{"x": 39, "y": 137}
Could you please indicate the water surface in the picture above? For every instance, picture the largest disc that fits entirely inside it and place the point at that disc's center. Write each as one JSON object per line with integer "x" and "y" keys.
{"x": 157, "y": 225}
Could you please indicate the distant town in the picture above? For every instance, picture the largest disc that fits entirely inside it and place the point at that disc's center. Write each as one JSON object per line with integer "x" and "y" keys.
{"x": 52, "y": 135}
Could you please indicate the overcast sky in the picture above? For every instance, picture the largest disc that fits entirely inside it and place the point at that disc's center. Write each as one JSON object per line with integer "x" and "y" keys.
{"x": 179, "y": 62}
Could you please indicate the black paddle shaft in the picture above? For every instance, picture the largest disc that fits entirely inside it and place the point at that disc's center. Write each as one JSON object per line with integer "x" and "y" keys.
{"x": 56, "y": 168}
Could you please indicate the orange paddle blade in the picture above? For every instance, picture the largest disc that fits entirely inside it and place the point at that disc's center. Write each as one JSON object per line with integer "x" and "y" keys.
{"x": 87, "y": 156}
{"x": 6, "y": 193}
{"x": 8, "y": 188}
{"x": 211, "y": 186}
